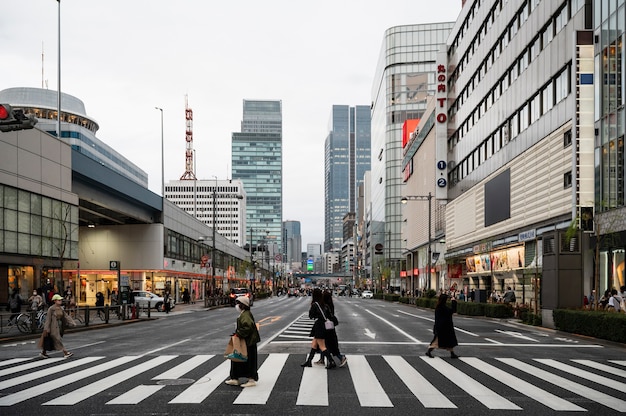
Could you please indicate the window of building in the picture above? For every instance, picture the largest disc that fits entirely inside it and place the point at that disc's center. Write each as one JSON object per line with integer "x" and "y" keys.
{"x": 567, "y": 179}
{"x": 567, "y": 138}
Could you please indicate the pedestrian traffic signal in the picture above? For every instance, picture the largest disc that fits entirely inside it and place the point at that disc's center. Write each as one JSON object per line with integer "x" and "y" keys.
{"x": 15, "y": 119}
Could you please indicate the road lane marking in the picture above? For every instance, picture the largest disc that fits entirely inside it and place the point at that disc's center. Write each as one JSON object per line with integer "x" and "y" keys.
{"x": 31, "y": 376}
{"x": 137, "y": 394}
{"x": 201, "y": 389}
{"x": 313, "y": 389}
{"x": 421, "y": 388}
{"x": 548, "y": 399}
{"x": 183, "y": 368}
{"x": 52, "y": 385}
{"x": 368, "y": 388}
{"x": 99, "y": 386}
{"x": 486, "y": 396}
{"x": 268, "y": 372}
{"x": 562, "y": 382}
{"x": 406, "y": 334}
{"x": 602, "y": 380}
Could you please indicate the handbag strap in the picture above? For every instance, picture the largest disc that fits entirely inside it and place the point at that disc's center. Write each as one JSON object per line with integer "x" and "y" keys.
{"x": 324, "y": 316}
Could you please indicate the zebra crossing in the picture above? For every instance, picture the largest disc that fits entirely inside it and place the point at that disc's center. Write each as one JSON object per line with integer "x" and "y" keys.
{"x": 565, "y": 385}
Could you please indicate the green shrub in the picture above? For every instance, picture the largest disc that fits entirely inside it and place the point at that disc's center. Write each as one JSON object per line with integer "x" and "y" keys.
{"x": 471, "y": 308}
{"x": 499, "y": 310}
{"x": 598, "y": 324}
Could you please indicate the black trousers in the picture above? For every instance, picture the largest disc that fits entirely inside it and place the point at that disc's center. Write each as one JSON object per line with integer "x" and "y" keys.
{"x": 249, "y": 369}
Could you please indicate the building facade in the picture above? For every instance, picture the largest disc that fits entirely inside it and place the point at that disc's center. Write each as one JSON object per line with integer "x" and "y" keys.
{"x": 227, "y": 212}
{"x": 292, "y": 244}
{"x": 404, "y": 78}
{"x": 77, "y": 128}
{"x": 257, "y": 161}
{"x": 347, "y": 154}
{"x": 516, "y": 113}
{"x": 610, "y": 115}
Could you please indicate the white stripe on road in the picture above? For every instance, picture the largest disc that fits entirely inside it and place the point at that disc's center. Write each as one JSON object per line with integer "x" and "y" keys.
{"x": 596, "y": 396}
{"x": 489, "y": 398}
{"x": 46, "y": 372}
{"x": 202, "y": 388}
{"x": 268, "y": 374}
{"x": 368, "y": 388}
{"x": 530, "y": 390}
{"x": 421, "y": 388}
{"x": 12, "y": 361}
{"x": 602, "y": 380}
{"x": 44, "y": 388}
{"x": 183, "y": 368}
{"x": 603, "y": 367}
{"x": 99, "y": 386}
{"x": 406, "y": 334}
{"x": 313, "y": 387}
{"x": 30, "y": 365}
{"x": 136, "y": 395}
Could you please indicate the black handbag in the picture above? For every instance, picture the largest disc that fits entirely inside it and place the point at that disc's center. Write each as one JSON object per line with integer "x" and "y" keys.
{"x": 48, "y": 344}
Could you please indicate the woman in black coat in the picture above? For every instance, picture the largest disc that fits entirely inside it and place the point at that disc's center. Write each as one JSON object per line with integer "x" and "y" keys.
{"x": 320, "y": 312}
{"x": 444, "y": 336}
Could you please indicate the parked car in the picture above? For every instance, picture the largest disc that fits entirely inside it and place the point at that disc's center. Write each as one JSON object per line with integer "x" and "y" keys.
{"x": 240, "y": 291}
{"x": 144, "y": 298}
{"x": 367, "y": 294}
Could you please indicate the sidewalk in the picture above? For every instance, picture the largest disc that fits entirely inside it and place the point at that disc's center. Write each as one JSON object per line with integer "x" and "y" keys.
{"x": 180, "y": 309}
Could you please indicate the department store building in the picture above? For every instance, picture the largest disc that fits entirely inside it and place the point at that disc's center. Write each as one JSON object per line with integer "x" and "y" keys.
{"x": 514, "y": 126}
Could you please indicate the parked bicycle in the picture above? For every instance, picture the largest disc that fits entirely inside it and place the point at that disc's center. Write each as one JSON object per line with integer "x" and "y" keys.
{"x": 25, "y": 323}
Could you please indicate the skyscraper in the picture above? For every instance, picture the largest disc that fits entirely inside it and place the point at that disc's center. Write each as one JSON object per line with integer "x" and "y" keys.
{"x": 257, "y": 160}
{"x": 292, "y": 243}
{"x": 404, "y": 78}
{"x": 346, "y": 159}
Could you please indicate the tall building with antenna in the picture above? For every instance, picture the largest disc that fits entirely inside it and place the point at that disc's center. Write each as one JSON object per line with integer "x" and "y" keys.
{"x": 219, "y": 202}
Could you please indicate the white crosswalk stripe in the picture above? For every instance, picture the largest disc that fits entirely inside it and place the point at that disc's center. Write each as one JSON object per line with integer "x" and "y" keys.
{"x": 427, "y": 381}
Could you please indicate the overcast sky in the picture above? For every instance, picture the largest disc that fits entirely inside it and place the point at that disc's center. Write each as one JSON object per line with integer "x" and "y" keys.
{"x": 124, "y": 57}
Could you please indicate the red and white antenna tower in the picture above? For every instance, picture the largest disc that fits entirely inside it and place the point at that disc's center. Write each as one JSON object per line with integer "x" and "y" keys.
{"x": 189, "y": 171}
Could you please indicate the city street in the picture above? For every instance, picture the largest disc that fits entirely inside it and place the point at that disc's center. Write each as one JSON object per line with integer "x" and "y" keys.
{"x": 174, "y": 365}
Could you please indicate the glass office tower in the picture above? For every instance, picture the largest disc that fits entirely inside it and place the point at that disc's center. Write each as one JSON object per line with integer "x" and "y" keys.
{"x": 257, "y": 160}
{"x": 346, "y": 159}
{"x": 404, "y": 78}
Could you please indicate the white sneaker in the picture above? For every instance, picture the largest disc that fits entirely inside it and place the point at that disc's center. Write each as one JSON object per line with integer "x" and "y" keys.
{"x": 232, "y": 382}
{"x": 249, "y": 383}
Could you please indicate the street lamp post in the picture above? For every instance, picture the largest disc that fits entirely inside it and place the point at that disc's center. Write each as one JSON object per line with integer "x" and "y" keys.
{"x": 213, "y": 239}
{"x": 162, "y": 157}
{"x": 428, "y": 198}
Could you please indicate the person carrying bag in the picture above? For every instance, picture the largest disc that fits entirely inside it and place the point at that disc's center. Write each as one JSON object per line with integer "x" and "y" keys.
{"x": 244, "y": 364}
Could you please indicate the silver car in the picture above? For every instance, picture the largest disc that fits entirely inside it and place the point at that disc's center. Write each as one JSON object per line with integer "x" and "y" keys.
{"x": 143, "y": 298}
{"x": 367, "y": 294}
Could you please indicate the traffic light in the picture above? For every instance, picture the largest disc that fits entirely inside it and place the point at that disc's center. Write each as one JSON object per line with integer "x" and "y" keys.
{"x": 11, "y": 120}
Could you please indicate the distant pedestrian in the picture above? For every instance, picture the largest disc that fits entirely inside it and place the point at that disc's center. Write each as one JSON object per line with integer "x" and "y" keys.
{"x": 35, "y": 301}
{"x": 14, "y": 304}
{"x": 246, "y": 330}
{"x": 47, "y": 292}
{"x": 509, "y": 295}
{"x": 56, "y": 321}
{"x": 444, "y": 336}
{"x": 166, "y": 302}
{"x": 100, "y": 303}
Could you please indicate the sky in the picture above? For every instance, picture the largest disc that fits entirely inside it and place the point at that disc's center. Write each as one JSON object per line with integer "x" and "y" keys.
{"x": 123, "y": 58}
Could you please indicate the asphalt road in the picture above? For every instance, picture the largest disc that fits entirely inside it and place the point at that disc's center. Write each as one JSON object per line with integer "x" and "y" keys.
{"x": 174, "y": 365}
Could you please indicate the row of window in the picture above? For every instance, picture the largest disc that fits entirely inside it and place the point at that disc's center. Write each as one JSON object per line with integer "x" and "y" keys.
{"x": 517, "y": 67}
{"x": 556, "y": 90}
{"x": 35, "y": 225}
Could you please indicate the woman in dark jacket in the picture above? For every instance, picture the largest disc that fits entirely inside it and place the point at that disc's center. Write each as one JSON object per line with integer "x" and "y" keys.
{"x": 332, "y": 343}
{"x": 320, "y": 312}
{"x": 444, "y": 338}
{"x": 246, "y": 330}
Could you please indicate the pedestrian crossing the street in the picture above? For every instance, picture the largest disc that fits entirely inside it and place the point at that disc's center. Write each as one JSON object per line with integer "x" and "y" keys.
{"x": 564, "y": 385}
